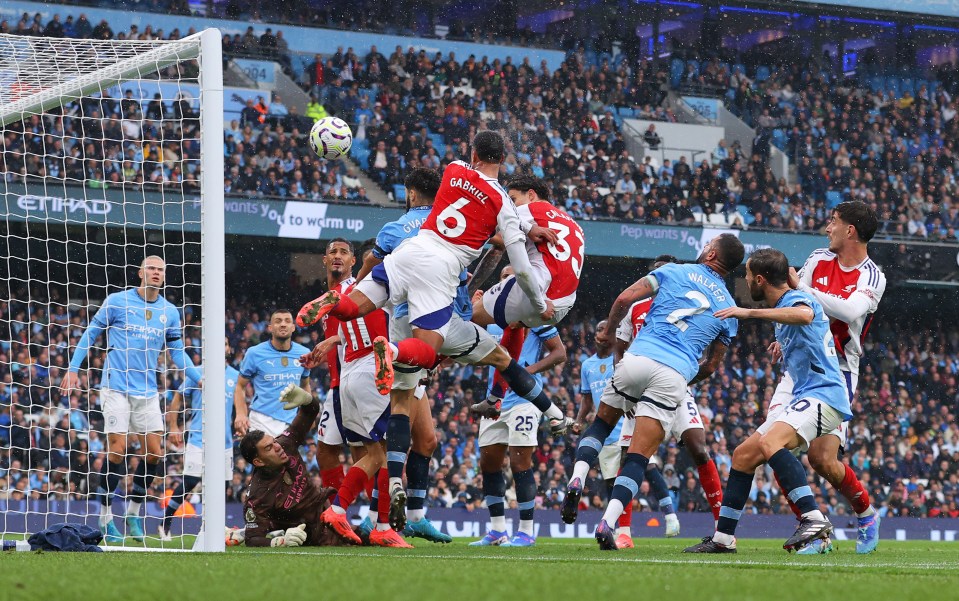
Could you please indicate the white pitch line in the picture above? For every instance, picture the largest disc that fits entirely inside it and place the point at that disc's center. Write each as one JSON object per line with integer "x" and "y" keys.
{"x": 729, "y": 562}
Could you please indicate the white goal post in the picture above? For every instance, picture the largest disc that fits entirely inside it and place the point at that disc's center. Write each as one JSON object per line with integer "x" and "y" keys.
{"x": 110, "y": 151}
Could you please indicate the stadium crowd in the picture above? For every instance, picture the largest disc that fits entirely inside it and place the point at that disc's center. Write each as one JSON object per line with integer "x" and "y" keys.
{"x": 410, "y": 108}
{"x": 904, "y": 440}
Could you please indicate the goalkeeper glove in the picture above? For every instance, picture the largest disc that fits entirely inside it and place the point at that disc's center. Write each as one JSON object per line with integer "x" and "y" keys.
{"x": 293, "y": 537}
{"x": 293, "y": 396}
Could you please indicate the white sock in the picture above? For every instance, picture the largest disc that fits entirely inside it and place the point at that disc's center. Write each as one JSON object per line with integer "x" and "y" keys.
{"x": 380, "y": 527}
{"x": 395, "y": 483}
{"x": 498, "y": 523}
{"x": 415, "y": 515}
{"x": 869, "y": 511}
{"x": 815, "y": 514}
{"x": 579, "y": 471}
{"x": 106, "y": 515}
{"x": 722, "y": 538}
{"x": 338, "y": 509}
{"x": 624, "y": 530}
{"x": 396, "y": 349}
{"x": 133, "y": 508}
{"x": 526, "y": 527}
{"x": 553, "y": 412}
{"x": 613, "y": 511}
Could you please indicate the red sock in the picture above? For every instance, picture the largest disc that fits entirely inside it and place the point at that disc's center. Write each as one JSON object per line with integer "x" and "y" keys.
{"x": 712, "y": 486}
{"x": 626, "y": 518}
{"x": 383, "y": 506}
{"x": 332, "y": 477}
{"x": 370, "y": 485}
{"x": 346, "y": 309}
{"x": 352, "y": 485}
{"x": 782, "y": 491}
{"x": 512, "y": 341}
{"x": 854, "y": 491}
{"x": 414, "y": 351}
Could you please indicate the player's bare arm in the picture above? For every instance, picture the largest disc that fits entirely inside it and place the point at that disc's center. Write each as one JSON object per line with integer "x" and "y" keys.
{"x": 488, "y": 262}
{"x": 715, "y": 354}
{"x": 242, "y": 421}
{"x": 582, "y": 416}
{"x": 643, "y": 288}
{"x": 800, "y": 315}
{"x": 542, "y": 235}
{"x": 317, "y": 356}
{"x": 555, "y": 355}
{"x": 369, "y": 262}
{"x": 174, "y": 432}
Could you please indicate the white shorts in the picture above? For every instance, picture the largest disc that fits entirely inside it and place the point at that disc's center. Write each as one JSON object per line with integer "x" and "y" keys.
{"x": 193, "y": 462}
{"x": 363, "y": 410}
{"x": 516, "y": 427}
{"x": 609, "y": 460}
{"x": 507, "y": 303}
{"x": 687, "y": 418}
{"x": 125, "y": 413}
{"x": 328, "y": 432}
{"x": 646, "y": 387}
{"x": 422, "y": 274}
{"x": 811, "y": 418}
{"x": 465, "y": 342}
{"x": 270, "y": 425}
{"x": 784, "y": 396}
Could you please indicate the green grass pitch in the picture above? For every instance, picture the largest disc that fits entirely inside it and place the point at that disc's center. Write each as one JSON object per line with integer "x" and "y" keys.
{"x": 553, "y": 570}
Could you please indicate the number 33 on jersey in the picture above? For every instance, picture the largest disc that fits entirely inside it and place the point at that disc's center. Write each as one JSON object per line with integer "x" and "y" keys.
{"x": 563, "y": 260}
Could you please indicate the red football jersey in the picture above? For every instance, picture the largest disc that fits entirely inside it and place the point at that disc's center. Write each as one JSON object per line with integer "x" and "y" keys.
{"x": 358, "y": 335}
{"x": 468, "y": 210}
{"x": 331, "y": 326}
{"x": 564, "y": 260}
{"x": 823, "y": 273}
{"x": 635, "y": 319}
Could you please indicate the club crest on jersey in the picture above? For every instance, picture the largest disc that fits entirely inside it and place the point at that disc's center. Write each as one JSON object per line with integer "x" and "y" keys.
{"x": 287, "y": 478}
{"x": 285, "y": 362}
{"x": 149, "y": 314}
{"x": 163, "y": 319}
{"x": 848, "y": 289}
{"x": 602, "y": 369}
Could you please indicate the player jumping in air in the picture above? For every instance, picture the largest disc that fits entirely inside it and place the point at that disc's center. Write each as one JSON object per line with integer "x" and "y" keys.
{"x": 820, "y": 403}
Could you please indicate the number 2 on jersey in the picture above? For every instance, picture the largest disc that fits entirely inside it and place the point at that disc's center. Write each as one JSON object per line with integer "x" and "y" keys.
{"x": 677, "y": 317}
{"x": 561, "y": 251}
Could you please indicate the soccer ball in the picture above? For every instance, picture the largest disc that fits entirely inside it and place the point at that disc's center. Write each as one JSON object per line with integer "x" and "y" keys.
{"x": 235, "y": 536}
{"x": 331, "y": 138}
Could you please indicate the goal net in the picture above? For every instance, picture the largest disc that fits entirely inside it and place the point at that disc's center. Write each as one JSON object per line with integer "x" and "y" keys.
{"x": 111, "y": 290}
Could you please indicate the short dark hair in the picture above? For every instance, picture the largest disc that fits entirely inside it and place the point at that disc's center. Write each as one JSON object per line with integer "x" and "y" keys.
{"x": 489, "y": 146}
{"x": 280, "y": 310}
{"x": 665, "y": 259}
{"x": 771, "y": 264}
{"x": 730, "y": 250}
{"x": 344, "y": 241}
{"x": 424, "y": 181}
{"x": 248, "y": 444}
{"x": 859, "y": 215}
{"x": 525, "y": 183}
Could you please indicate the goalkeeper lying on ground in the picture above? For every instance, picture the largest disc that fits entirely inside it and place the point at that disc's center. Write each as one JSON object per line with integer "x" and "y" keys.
{"x": 283, "y": 508}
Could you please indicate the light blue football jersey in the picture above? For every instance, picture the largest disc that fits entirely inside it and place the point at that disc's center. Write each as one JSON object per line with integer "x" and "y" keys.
{"x": 408, "y": 225}
{"x": 137, "y": 331}
{"x": 532, "y": 352}
{"x": 270, "y": 370}
{"x": 193, "y": 394}
{"x": 809, "y": 353}
{"x": 595, "y": 374}
{"x": 680, "y": 324}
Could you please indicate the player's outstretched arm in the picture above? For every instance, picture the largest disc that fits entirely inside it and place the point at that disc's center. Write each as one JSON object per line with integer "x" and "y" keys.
{"x": 317, "y": 356}
{"x": 585, "y": 408}
{"x": 72, "y": 378}
{"x": 523, "y": 270}
{"x": 241, "y": 423}
{"x": 488, "y": 262}
{"x": 714, "y": 356}
{"x": 182, "y": 361}
{"x": 797, "y": 315}
{"x": 305, "y": 417}
{"x": 369, "y": 262}
{"x": 173, "y": 417}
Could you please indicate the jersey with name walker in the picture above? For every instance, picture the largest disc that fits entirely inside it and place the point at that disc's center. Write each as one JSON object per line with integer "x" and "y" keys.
{"x": 193, "y": 394}
{"x": 532, "y": 351}
{"x": 137, "y": 331}
{"x": 468, "y": 210}
{"x": 270, "y": 370}
{"x": 596, "y": 372}
{"x": 822, "y": 272}
{"x": 810, "y": 355}
{"x": 331, "y": 326}
{"x": 559, "y": 264}
{"x": 395, "y": 233}
{"x": 680, "y": 324}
